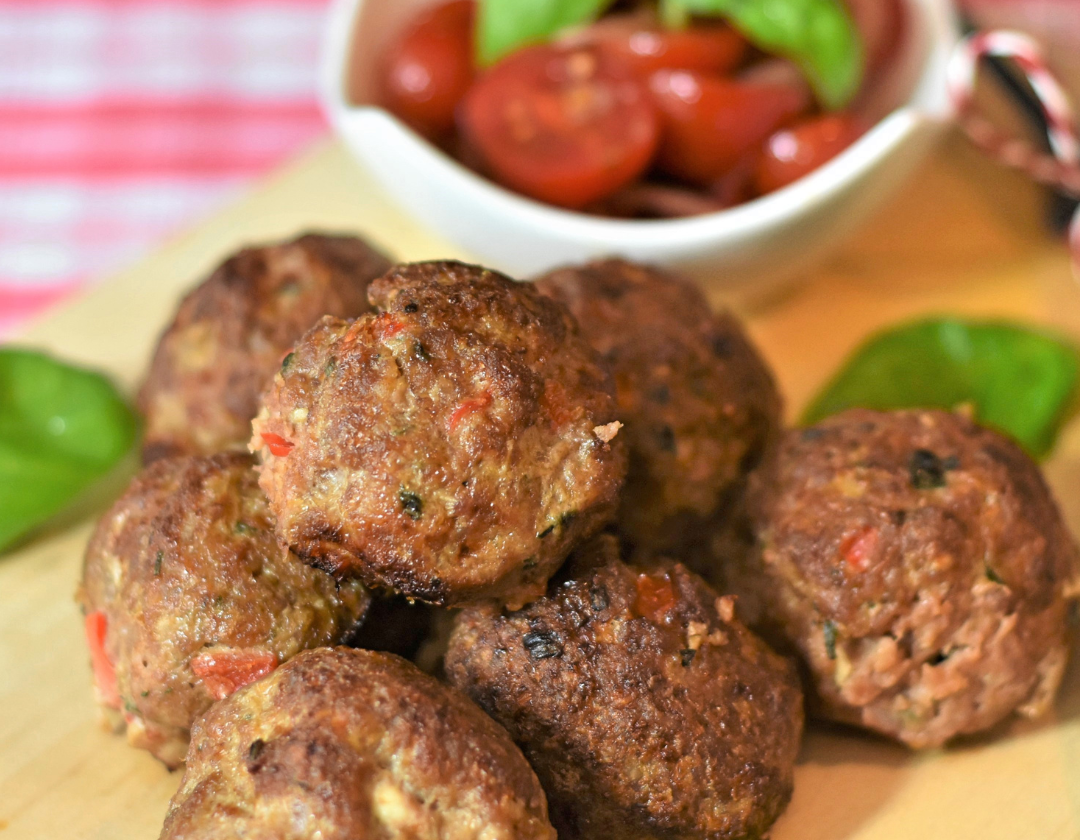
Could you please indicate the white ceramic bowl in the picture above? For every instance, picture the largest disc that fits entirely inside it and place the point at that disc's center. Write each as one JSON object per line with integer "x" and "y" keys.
{"x": 745, "y": 249}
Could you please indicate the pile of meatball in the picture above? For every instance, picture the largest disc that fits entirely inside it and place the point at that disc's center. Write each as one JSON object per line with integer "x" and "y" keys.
{"x": 422, "y": 551}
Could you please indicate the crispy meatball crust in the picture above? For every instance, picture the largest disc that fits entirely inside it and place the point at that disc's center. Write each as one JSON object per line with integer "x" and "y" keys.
{"x": 186, "y": 566}
{"x": 453, "y": 447}
{"x": 646, "y": 710}
{"x": 919, "y": 564}
{"x": 348, "y": 744}
{"x": 231, "y": 332}
{"x": 699, "y": 403}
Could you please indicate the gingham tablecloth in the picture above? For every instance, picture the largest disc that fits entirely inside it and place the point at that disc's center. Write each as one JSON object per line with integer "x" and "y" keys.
{"x": 122, "y": 121}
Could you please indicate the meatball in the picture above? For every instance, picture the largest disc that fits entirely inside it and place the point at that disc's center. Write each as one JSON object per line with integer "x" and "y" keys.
{"x": 231, "y": 332}
{"x": 344, "y": 744}
{"x": 699, "y": 403}
{"x": 188, "y": 596}
{"x": 919, "y": 565}
{"x": 645, "y": 708}
{"x": 451, "y": 448}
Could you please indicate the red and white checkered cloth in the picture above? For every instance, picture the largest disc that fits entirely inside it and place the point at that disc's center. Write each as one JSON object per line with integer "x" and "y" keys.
{"x": 124, "y": 120}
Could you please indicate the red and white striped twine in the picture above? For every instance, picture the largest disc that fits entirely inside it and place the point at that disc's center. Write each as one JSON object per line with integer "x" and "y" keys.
{"x": 1061, "y": 168}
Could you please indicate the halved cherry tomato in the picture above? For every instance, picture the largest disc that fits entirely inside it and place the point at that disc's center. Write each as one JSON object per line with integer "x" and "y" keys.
{"x": 428, "y": 69}
{"x": 277, "y": 444}
{"x": 706, "y": 48}
{"x": 226, "y": 671}
{"x": 564, "y": 125}
{"x": 710, "y": 123}
{"x": 96, "y": 626}
{"x": 794, "y": 152}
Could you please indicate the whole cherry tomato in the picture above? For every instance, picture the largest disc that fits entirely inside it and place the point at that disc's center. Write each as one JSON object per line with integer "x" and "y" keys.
{"x": 706, "y": 48}
{"x": 566, "y": 125}
{"x": 428, "y": 69}
{"x": 709, "y": 124}
{"x": 793, "y": 152}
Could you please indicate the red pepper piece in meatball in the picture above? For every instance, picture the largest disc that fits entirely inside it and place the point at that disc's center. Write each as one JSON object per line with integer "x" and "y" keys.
{"x": 919, "y": 565}
{"x": 645, "y": 708}
{"x": 453, "y": 447}
{"x": 231, "y": 333}
{"x": 188, "y": 597}
{"x": 343, "y": 744}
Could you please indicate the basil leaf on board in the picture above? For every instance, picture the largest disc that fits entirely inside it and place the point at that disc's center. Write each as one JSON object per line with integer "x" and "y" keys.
{"x": 1018, "y": 380}
{"x": 818, "y": 35}
{"x": 61, "y": 429}
{"x": 505, "y": 25}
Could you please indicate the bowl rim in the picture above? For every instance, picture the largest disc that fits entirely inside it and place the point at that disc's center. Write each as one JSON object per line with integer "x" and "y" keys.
{"x": 793, "y": 200}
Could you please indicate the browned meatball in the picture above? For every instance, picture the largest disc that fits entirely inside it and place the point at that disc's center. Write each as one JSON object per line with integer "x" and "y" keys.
{"x": 347, "y": 744}
{"x": 919, "y": 564}
{"x": 698, "y": 401}
{"x": 646, "y": 710}
{"x": 186, "y": 580}
{"x": 231, "y": 332}
{"x": 453, "y": 447}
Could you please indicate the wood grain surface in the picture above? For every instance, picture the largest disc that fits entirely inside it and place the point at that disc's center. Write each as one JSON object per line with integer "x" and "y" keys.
{"x": 963, "y": 237}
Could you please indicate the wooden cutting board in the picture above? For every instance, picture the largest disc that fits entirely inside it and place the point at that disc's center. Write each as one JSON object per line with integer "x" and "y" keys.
{"x": 964, "y": 237}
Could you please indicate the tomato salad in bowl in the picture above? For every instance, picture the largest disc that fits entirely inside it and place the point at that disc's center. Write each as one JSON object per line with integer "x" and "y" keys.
{"x": 729, "y": 140}
{"x": 636, "y": 113}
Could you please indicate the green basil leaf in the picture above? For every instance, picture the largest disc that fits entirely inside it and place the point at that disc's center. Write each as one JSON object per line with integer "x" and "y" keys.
{"x": 505, "y": 25}
{"x": 1018, "y": 380}
{"x": 61, "y": 429}
{"x": 818, "y": 35}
